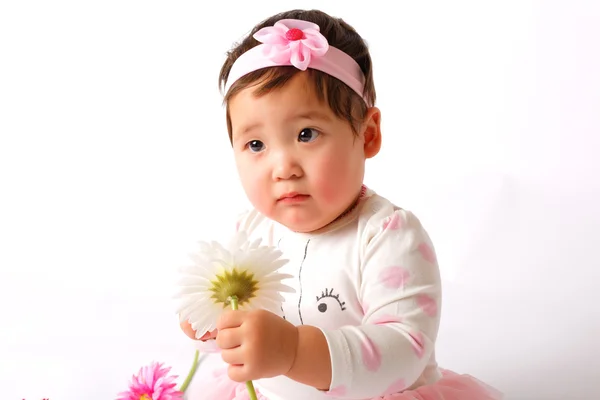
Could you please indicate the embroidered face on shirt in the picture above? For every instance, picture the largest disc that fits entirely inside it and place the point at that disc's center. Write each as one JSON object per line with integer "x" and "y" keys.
{"x": 330, "y": 302}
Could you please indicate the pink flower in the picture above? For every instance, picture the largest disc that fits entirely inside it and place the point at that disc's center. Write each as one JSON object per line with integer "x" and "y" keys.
{"x": 294, "y": 41}
{"x": 152, "y": 383}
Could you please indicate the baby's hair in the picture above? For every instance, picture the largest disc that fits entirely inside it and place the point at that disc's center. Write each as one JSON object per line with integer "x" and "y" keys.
{"x": 343, "y": 101}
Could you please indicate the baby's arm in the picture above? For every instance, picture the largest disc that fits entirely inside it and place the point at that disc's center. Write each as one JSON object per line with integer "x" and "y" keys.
{"x": 312, "y": 364}
{"x": 400, "y": 292}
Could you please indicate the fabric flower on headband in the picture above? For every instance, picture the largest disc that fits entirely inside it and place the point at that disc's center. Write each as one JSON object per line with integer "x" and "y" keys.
{"x": 298, "y": 43}
{"x": 292, "y": 40}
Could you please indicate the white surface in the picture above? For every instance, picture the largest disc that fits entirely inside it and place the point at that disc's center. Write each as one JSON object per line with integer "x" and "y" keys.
{"x": 114, "y": 160}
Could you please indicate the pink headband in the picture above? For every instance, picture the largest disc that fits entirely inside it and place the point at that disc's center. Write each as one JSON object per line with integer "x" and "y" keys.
{"x": 301, "y": 44}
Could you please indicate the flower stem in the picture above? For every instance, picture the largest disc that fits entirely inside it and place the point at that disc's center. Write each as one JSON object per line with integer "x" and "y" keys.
{"x": 249, "y": 385}
{"x": 190, "y": 375}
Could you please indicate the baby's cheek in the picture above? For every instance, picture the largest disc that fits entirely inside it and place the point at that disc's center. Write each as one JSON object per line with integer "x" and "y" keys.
{"x": 258, "y": 193}
{"x": 261, "y": 200}
{"x": 336, "y": 180}
{"x": 330, "y": 181}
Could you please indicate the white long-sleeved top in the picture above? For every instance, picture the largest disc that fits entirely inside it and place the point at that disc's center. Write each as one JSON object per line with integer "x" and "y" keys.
{"x": 370, "y": 281}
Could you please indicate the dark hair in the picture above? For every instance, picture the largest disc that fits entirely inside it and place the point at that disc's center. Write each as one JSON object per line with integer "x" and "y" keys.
{"x": 343, "y": 101}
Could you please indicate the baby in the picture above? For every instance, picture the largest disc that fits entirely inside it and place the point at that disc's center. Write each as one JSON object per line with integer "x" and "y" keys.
{"x": 363, "y": 322}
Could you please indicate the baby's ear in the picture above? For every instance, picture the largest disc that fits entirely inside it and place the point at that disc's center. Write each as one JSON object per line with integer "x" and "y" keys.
{"x": 372, "y": 132}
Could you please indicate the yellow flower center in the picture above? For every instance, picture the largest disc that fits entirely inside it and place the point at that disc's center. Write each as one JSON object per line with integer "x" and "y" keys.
{"x": 145, "y": 397}
{"x": 234, "y": 283}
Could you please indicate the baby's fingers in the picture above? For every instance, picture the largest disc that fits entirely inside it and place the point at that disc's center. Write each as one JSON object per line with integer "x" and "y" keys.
{"x": 187, "y": 329}
{"x": 230, "y": 319}
{"x": 234, "y": 357}
{"x": 229, "y": 338}
{"x": 239, "y": 373}
{"x": 209, "y": 335}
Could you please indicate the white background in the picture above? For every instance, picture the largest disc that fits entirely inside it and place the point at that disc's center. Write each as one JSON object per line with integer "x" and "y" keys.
{"x": 114, "y": 161}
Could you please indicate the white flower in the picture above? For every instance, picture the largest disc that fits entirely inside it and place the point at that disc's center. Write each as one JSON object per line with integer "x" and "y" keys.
{"x": 243, "y": 269}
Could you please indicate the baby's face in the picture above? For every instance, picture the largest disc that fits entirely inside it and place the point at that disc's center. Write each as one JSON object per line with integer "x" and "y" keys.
{"x": 299, "y": 164}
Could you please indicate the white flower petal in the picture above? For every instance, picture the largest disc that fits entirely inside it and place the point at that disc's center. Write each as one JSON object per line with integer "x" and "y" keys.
{"x": 193, "y": 289}
{"x": 257, "y": 303}
{"x": 273, "y": 282}
{"x": 199, "y": 258}
{"x": 271, "y": 305}
{"x": 188, "y": 305}
{"x": 275, "y": 277}
{"x": 280, "y": 287}
{"x": 270, "y": 293}
{"x": 255, "y": 244}
{"x": 270, "y": 259}
{"x": 198, "y": 297}
{"x": 187, "y": 279}
{"x": 202, "y": 314}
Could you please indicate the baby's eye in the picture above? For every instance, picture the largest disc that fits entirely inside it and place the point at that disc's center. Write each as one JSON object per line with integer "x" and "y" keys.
{"x": 255, "y": 146}
{"x": 307, "y": 135}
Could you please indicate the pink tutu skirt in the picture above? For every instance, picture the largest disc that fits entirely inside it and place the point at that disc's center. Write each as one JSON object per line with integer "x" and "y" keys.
{"x": 451, "y": 386}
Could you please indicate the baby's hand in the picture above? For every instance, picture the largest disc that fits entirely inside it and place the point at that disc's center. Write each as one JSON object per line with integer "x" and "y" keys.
{"x": 256, "y": 344}
{"x": 187, "y": 329}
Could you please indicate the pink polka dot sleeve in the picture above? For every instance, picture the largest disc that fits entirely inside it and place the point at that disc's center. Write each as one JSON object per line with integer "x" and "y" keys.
{"x": 400, "y": 294}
